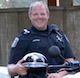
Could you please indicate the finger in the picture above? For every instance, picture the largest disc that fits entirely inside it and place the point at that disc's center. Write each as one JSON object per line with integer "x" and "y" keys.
{"x": 20, "y": 61}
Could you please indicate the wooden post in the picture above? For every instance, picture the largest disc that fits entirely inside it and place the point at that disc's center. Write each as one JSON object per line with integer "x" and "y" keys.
{"x": 51, "y": 2}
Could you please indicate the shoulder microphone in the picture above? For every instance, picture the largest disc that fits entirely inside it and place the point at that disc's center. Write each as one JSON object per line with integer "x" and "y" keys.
{"x": 54, "y": 51}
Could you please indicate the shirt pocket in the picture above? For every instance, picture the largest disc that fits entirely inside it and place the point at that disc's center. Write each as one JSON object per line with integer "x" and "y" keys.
{"x": 38, "y": 44}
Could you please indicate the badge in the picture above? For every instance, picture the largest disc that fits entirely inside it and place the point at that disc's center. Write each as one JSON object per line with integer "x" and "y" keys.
{"x": 59, "y": 38}
{"x": 26, "y": 31}
{"x": 36, "y": 40}
{"x": 16, "y": 40}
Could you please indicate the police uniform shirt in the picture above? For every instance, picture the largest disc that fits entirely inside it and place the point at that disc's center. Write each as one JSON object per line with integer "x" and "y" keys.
{"x": 32, "y": 40}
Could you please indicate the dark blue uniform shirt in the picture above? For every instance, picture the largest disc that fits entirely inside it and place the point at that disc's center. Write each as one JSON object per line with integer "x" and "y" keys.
{"x": 32, "y": 40}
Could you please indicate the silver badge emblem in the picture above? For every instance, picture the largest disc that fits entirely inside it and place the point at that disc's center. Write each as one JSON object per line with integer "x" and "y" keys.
{"x": 59, "y": 38}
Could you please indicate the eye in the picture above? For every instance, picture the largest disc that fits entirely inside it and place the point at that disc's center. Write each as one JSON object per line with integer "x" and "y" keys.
{"x": 43, "y": 14}
{"x": 35, "y": 14}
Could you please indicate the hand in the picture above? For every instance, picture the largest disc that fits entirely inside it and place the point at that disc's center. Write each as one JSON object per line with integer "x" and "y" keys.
{"x": 54, "y": 75}
{"x": 21, "y": 70}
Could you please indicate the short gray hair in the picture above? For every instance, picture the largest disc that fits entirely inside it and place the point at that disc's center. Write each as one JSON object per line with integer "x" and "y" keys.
{"x": 38, "y": 3}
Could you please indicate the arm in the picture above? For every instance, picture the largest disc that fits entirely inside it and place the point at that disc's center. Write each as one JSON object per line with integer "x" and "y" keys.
{"x": 60, "y": 74}
{"x": 17, "y": 69}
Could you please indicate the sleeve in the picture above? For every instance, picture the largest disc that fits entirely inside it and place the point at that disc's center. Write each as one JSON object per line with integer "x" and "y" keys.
{"x": 68, "y": 51}
{"x": 18, "y": 49}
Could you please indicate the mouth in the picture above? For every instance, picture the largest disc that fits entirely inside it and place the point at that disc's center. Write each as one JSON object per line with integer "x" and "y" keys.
{"x": 40, "y": 21}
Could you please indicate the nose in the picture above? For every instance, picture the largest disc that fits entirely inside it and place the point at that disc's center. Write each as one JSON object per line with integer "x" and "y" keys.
{"x": 39, "y": 16}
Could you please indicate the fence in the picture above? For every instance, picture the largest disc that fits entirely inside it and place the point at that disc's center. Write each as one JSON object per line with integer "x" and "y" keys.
{"x": 12, "y": 22}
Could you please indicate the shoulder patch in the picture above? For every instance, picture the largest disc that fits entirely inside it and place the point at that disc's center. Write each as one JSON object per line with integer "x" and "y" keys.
{"x": 16, "y": 40}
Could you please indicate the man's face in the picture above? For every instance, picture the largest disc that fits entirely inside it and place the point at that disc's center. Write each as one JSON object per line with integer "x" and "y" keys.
{"x": 39, "y": 17}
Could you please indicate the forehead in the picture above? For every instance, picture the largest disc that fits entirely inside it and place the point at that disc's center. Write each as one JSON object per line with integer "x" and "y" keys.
{"x": 39, "y": 7}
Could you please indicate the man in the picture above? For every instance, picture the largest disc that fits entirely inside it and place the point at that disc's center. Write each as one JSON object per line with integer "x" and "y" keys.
{"x": 38, "y": 38}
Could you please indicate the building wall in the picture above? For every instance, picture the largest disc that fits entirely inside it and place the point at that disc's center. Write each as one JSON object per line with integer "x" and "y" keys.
{"x": 12, "y": 22}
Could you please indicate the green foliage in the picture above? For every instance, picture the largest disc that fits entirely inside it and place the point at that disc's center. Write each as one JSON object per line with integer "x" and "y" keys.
{"x": 76, "y": 2}
{"x": 17, "y": 3}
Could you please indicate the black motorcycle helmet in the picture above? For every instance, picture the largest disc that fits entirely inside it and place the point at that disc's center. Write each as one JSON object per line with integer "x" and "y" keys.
{"x": 37, "y": 64}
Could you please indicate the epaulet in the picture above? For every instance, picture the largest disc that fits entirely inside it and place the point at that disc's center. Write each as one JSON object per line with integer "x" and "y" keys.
{"x": 57, "y": 30}
{"x": 55, "y": 27}
{"x": 26, "y": 31}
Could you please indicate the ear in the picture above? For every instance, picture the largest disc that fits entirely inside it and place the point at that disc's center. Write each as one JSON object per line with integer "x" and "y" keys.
{"x": 29, "y": 15}
{"x": 48, "y": 15}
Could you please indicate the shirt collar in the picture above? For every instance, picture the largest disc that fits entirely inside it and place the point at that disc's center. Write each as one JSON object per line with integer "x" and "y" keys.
{"x": 46, "y": 32}
{"x": 35, "y": 31}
